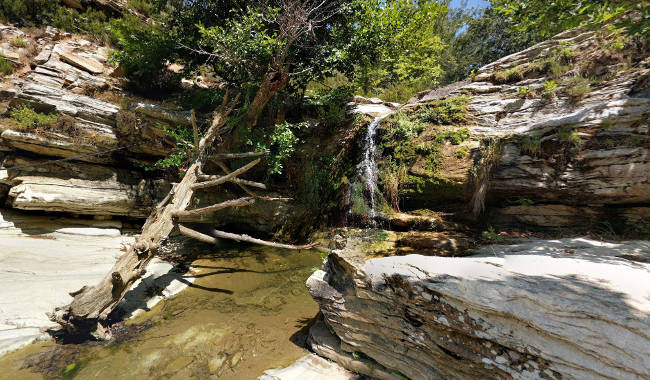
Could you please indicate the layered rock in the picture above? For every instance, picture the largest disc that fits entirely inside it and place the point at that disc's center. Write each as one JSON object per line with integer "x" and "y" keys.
{"x": 571, "y": 308}
{"x": 80, "y": 188}
{"x": 45, "y": 257}
{"x": 585, "y": 146}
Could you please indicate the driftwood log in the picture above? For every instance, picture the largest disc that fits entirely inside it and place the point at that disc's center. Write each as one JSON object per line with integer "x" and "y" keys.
{"x": 92, "y": 305}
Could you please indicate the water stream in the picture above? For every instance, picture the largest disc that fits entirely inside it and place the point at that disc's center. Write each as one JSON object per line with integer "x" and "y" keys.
{"x": 368, "y": 167}
{"x": 245, "y": 313}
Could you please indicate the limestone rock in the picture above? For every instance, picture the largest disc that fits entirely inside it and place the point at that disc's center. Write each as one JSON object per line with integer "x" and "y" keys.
{"x": 43, "y": 258}
{"x": 81, "y": 189}
{"x": 310, "y": 367}
{"x": 605, "y": 163}
{"x": 83, "y": 63}
{"x": 570, "y": 308}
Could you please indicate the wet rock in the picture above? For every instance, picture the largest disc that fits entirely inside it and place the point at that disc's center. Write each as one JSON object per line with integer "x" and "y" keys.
{"x": 310, "y": 367}
{"x": 510, "y": 312}
{"x": 374, "y": 110}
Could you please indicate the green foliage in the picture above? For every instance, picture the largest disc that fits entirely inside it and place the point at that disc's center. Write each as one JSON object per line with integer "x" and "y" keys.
{"x": 403, "y": 126}
{"x": 461, "y": 153}
{"x": 570, "y": 137}
{"x": 487, "y": 36}
{"x": 525, "y": 202}
{"x": 523, "y": 91}
{"x": 493, "y": 236}
{"x": 145, "y": 49}
{"x": 6, "y": 67}
{"x": 91, "y": 22}
{"x": 179, "y": 156}
{"x": 19, "y": 42}
{"x": 27, "y": 12}
{"x": 577, "y": 87}
{"x": 282, "y": 142}
{"x": 397, "y": 41}
{"x": 545, "y": 18}
{"x": 333, "y": 101}
{"x": 444, "y": 111}
{"x": 548, "y": 88}
{"x": 531, "y": 145}
{"x": 26, "y": 118}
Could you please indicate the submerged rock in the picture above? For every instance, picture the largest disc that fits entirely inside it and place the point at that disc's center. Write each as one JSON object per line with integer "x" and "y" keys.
{"x": 571, "y": 308}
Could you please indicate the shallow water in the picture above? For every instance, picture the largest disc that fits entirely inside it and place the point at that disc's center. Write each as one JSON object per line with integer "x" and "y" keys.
{"x": 245, "y": 313}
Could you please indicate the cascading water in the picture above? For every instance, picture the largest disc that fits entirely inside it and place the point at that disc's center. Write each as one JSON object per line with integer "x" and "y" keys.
{"x": 368, "y": 167}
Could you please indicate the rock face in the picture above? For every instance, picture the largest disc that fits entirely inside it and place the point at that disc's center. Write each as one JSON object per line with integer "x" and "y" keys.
{"x": 80, "y": 189}
{"x": 43, "y": 258}
{"x": 571, "y": 308}
{"x": 583, "y": 143}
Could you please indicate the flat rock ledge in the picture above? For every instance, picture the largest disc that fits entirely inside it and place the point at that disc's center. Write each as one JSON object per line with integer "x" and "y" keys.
{"x": 539, "y": 309}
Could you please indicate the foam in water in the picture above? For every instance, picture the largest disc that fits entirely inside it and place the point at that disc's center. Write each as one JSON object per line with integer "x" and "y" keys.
{"x": 368, "y": 167}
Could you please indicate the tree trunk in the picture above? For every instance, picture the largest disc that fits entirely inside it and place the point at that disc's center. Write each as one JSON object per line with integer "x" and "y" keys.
{"x": 273, "y": 82}
{"x": 92, "y": 305}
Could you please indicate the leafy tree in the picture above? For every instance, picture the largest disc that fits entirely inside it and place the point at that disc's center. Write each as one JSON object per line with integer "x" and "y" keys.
{"x": 401, "y": 40}
{"x": 548, "y": 17}
{"x": 487, "y": 36}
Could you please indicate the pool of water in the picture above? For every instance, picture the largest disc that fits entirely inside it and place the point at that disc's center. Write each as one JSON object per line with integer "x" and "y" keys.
{"x": 246, "y": 312}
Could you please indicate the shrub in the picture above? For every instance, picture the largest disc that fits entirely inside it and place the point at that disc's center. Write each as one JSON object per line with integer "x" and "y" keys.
{"x": 333, "y": 101}
{"x": 461, "y": 153}
{"x": 444, "y": 111}
{"x": 523, "y": 91}
{"x": 19, "y": 42}
{"x": 403, "y": 126}
{"x": 25, "y": 118}
{"x": 549, "y": 88}
{"x": 570, "y": 137}
{"x": 531, "y": 145}
{"x": 577, "y": 87}
{"x": 6, "y": 67}
{"x": 493, "y": 236}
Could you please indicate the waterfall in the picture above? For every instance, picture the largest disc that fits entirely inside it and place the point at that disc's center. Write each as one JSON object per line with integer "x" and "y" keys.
{"x": 368, "y": 167}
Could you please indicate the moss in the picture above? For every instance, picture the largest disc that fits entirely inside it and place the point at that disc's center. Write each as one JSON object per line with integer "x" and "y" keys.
{"x": 26, "y": 118}
{"x": 444, "y": 111}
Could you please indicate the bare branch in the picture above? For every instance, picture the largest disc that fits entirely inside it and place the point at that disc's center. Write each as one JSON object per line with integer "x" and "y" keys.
{"x": 226, "y": 178}
{"x": 239, "y": 238}
{"x": 219, "y": 206}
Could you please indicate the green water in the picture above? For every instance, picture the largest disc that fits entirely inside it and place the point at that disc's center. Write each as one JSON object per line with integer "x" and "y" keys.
{"x": 245, "y": 313}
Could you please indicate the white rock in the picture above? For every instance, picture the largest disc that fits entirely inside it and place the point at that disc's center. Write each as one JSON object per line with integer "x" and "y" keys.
{"x": 310, "y": 367}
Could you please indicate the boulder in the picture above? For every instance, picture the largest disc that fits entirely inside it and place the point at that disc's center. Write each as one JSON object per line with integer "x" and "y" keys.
{"x": 569, "y": 308}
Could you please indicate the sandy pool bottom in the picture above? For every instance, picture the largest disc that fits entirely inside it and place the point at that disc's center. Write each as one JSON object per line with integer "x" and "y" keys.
{"x": 245, "y": 313}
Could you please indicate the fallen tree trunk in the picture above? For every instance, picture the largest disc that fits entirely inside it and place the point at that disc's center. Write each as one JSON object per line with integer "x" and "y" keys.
{"x": 219, "y": 206}
{"x": 92, "y": 305}
{"x": 239, "y": 238}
